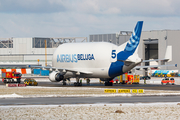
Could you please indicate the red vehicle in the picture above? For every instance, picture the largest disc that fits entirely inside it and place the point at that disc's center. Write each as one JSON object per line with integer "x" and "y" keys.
{"x": 168, "y": 81}
{"x": 11, "y": 77}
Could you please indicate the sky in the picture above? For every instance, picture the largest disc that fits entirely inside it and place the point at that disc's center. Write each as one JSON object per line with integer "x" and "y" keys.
{"x": 80, "y": 18}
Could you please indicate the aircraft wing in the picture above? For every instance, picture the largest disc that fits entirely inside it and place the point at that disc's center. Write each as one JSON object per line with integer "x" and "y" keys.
{"x": 155, "y": 60}
{"x": 152, "y": 66}
{"x": 61, "y": 69}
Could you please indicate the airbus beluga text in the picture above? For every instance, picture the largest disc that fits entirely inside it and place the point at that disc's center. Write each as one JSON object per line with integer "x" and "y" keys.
{"x": 95, "y": 59}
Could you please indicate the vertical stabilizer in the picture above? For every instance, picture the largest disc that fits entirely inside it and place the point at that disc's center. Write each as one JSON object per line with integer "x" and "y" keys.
{"x": 127, "y": 58}
{"x": 135, "y": 38}
{"x": 132, "y": 44}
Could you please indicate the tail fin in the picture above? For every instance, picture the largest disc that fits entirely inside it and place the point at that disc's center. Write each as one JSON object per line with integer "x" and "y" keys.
{"x": 135, "y": 38}
{"x": 132, "y": 44}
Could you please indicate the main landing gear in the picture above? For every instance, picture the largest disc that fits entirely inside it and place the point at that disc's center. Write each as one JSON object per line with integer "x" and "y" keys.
{"x": 64, "y": 82}
{"x": 108, "y": 83}
{"x": 77, "y": 83}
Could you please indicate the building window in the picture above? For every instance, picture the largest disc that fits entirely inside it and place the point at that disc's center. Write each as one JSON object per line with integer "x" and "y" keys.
{"x": 40, "y": 42}
{"x": 6, "y": 43}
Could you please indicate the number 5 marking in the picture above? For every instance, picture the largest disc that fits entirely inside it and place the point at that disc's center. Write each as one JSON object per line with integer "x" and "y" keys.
{"x": 113, "y": 54}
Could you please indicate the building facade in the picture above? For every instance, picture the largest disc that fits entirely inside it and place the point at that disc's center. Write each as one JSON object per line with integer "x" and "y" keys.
{"x": 30, "y": 51}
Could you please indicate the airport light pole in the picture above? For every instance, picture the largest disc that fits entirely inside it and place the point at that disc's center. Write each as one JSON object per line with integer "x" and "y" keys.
{"x": 45, "y": 53}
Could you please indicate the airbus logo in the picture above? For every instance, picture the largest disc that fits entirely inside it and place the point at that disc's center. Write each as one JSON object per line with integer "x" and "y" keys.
{"x": 74, "y": 57}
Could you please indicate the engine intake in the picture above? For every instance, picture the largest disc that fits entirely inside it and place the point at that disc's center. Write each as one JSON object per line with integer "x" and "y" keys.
{"x": 56, "y": 77}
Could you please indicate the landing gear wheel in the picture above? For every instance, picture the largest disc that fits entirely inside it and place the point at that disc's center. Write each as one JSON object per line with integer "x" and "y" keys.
{"x": 64, "y": 82}
{"x": 108, "y": 83}
{"x": 18, "y": 80}
{"x": 5, "y": 81}
{"x": 77, "y": 84}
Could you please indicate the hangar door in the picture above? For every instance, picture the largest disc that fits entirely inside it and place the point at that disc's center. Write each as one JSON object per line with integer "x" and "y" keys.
{"x": 151, "y": 49}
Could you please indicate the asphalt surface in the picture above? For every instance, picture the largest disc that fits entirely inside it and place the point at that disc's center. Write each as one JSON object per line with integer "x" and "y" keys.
{"x": 133, "y": 86}
{"x": 93, "y": 100}
{"x": 115, "y": 86}
{"x": 88, "y": 100}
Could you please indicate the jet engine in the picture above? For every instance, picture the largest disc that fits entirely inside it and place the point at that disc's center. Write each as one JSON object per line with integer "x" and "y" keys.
{"x": 56, "y": 76}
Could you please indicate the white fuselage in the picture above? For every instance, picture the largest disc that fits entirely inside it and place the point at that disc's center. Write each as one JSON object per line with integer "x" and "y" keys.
{"x": 79, "y": 57}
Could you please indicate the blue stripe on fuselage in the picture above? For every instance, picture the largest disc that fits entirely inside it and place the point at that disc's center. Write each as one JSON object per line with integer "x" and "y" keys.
{"x": 116, "y": 67}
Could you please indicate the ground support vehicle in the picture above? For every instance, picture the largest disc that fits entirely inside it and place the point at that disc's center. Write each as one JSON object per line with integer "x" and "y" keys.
{"x": 168, "y": 81}
{"x": 133, "y": 79}
{"x": 11, "y": 77}
{"x": 116, "y": 80}
{"x": 126, "y": 79}
{"x": 30, "y": 82}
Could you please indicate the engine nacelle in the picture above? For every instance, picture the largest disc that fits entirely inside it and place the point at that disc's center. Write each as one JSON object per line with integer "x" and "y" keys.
{"x": 55, "y": 76}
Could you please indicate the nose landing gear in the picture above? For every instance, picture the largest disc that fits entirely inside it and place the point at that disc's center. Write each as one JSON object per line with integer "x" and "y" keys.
{"x": 77, "y": 83}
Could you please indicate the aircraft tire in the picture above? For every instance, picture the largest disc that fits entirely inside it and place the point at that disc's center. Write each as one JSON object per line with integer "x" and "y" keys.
{"x": 64, "y": 83}
{"x": 77, "y": 84}
{"x": 18, "y": 80}
{"x": 5, "y": 81}
{"x": 108, "y": 83}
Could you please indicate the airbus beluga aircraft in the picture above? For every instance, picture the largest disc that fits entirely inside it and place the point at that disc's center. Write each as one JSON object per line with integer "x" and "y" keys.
{"x": 95, "y": 59}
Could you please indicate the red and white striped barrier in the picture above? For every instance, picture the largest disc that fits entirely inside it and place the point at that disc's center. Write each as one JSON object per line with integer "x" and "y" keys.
{"x": 22, "y": 71}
